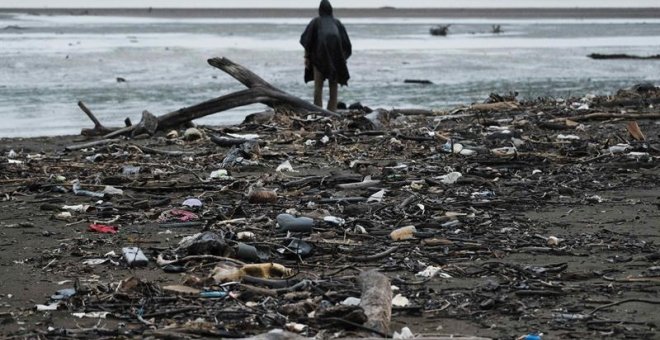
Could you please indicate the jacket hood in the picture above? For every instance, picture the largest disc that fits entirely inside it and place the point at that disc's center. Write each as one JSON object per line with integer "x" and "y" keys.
{"x": 325, "y": 8}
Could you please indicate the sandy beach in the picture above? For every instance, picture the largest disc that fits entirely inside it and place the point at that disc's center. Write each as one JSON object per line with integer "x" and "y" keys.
{"x": 520, "y": 215}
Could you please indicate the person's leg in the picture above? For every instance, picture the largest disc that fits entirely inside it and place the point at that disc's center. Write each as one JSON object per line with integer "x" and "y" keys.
{"x": 318, "y": 88}
{"x": 332, "y": 101}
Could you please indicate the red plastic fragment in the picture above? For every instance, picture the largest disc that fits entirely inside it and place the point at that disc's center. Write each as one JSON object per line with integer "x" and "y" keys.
{"x": 102, "y": 228}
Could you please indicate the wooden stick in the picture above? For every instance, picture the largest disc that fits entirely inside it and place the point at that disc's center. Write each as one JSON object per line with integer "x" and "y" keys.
{"x": 89, "y": 144}
{"x": 654, "y": 302}
{"x": 608, "y": 115}
{"x": 98, "y": 129}
{"x": 97, "y": 124}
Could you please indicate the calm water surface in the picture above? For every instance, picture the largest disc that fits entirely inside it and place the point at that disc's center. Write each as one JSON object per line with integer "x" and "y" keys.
{"x": 54, "y": 61}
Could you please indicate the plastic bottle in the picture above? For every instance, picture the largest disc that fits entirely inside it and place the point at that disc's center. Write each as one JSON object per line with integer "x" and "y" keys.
{"x": 288, "y": 222}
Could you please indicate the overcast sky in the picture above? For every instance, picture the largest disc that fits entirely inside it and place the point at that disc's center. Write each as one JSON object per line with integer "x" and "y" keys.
{"x": 336, "y": 3}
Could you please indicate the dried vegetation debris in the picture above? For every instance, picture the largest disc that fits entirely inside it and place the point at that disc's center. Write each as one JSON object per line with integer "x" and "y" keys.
{"x": 284, "y": 218}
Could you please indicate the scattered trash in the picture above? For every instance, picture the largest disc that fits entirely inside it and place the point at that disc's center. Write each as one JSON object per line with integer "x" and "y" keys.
{"x": 450, "y": 178}
{"x": 262, "y": 196}
{"x": 405, "y": 333}
{"x": 288, "y": 222}
{"x": 104, "y": 229}
{"x": 213, "y": 294}
{"x": 92, "y": 315}
{"x": 220, "y": 174}
{"x": 130, "y": 170}
{"x": 192, "y": 134}
{"x": 432, "y": 271}
{"x": 285, "y": 167}
{"x": 172, "y": 134}
{"x": 505, "y": 151}
{"x": 77, "y": 208}
{"x": 568, "y": 137}
{"x": 50, "y": 307}
{"x": 400, "y": 301}
{"x": 182, "y": 290}
{"x": 80, "y": 192}
{"x": 635, "y": 131}
{"x": 296, "y": 247}
{"x": 206, "y": 243}
{"x": 377, "y": 197}
{"x": 531, "y": 336}
{"x": 63, "y": 294}
{"x": 251, "y": 253}
{"x": 500, "y": 213}
{"x": 177, "y": 215}
{"x": 112, "y": 191}
{"x": 192, "y": 203}
{"x": 134, "y": 257}
{"x": 404, "y": 233}
{"x": 338, "y": 221}
{"x": 351, "y": 301}
{"x": 553, "y": 241}
{"x": 619, "y": 148}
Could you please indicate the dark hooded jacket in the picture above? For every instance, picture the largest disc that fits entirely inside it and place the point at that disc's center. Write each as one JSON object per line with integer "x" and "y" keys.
{"x": 327, "y": 46}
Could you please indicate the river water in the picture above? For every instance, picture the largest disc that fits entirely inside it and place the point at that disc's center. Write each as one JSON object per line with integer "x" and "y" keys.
{"x": 51, "y": 62}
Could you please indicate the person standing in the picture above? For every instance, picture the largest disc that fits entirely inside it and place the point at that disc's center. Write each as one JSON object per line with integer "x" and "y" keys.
{"x": 327, "y": 47}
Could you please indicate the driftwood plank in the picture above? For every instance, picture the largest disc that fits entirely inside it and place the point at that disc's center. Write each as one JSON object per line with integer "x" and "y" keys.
{"x": 376, "y": 300}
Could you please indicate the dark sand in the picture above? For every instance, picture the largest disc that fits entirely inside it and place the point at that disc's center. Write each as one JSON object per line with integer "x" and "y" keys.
{"x": 598, "y": 236}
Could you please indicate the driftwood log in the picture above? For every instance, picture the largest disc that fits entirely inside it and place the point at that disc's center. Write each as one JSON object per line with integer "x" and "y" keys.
{"x": 258, "y": 91}
{"x": 376, "y": 300}
{"x": 623, "y": 56}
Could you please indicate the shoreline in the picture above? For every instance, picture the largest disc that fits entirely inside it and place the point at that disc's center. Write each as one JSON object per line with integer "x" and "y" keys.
{"x": 495, "y": 13}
